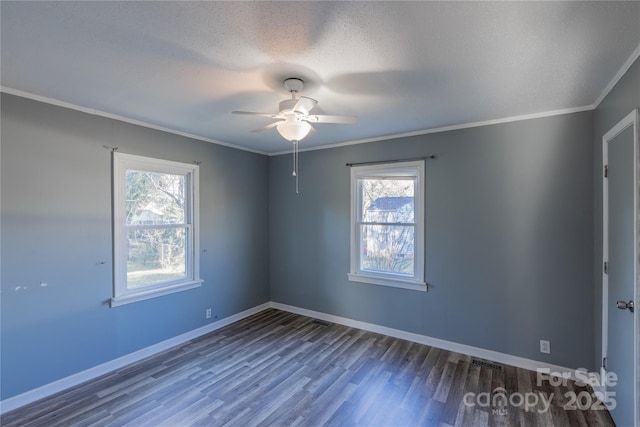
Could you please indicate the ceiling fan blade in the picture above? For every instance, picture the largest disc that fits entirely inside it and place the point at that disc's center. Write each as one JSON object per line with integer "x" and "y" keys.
{"x": 331, "y": 119}
{"x": 250, "y": 113}
{"x": 269, "y": 126}
{"x": 305, "y": 104}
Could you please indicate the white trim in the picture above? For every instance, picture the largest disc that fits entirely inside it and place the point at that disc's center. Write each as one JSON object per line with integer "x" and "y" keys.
{"x": 636, "y": 296}
{"x": 95, "y": 112}
{"x": 112, "y": 365}
{"x": 122, "y": 162}
{"x": 388, "y": 281}
{"x": 605, "y": 258}
{"x": 608, "y": 88}
{"x": 517, "y": 361}
{"x": 631, "y": 119}
{"x": 444, "y": 129}
{"x": 120, "y": 118}
{"x": 408, "y": 169}
{"x": 167, "y": 290}
{"x": 621, "y": 72}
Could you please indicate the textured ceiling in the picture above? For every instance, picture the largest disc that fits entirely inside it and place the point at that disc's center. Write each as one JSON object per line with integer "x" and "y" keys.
{"x": 400, "y": 67}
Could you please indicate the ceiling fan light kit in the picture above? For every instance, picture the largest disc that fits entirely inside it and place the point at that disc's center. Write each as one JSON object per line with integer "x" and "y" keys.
{"x": 294, "y": 120}
{"x": 292, "y": 129}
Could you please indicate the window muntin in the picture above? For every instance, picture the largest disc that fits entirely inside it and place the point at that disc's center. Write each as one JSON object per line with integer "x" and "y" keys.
{"x": 387, "y": 236}
{"x": 155, "y": 227}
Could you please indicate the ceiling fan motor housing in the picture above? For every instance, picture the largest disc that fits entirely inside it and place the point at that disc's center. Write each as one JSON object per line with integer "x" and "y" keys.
{"x": 287, "y": 105}
{"x": 293, "y": 84}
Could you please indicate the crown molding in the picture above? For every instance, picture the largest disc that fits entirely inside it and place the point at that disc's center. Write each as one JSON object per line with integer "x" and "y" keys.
{"x": 94, "y": 112}
{"x": 616, "y": 78}
{"x": 608, "y": 88}
{"x": 446, "y": 128}
{"x": 621, "y": 72}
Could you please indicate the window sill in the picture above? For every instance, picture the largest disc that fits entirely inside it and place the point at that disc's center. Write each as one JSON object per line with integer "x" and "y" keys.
{"x": 143, "y": 295}
{"x": 384, "y": 281}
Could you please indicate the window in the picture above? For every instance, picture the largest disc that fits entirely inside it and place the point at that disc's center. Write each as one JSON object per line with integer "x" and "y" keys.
{"x": 387, "y": 224}
{"x": 155, "y": 215}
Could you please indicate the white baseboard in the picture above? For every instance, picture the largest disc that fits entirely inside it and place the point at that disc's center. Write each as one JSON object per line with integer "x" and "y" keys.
{"x": 91, "y": 373}
{"x": 507, "y": 359}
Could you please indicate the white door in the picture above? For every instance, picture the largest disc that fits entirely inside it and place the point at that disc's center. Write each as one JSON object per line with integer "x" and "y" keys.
{"x": 620, "y": 268}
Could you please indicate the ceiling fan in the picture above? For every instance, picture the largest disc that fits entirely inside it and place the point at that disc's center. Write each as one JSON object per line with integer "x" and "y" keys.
{"x": 294, "y": 120}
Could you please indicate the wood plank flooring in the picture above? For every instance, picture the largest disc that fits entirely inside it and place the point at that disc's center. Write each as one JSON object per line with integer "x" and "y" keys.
{"x": 282, "y": 369}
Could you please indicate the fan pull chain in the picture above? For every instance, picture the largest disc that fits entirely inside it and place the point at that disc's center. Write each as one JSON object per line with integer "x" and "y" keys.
{"x": 294, "y": 159}
{"x": 295, "y": 164}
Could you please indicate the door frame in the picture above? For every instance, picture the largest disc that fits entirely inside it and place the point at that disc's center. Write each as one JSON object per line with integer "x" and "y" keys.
{"x": 631, "y": 119}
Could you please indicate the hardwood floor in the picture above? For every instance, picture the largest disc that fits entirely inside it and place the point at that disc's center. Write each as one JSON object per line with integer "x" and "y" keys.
{"x": 282, "y": 369}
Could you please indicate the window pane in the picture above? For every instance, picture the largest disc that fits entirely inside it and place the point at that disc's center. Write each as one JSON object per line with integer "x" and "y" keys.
{"x": 154, "y": 198}
{"x": 387, "y": 249}
{"x": 155, "y": 256}
{"x": 387, "y": 200}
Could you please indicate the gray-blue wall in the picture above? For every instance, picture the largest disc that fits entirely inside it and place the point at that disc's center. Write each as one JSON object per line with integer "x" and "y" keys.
{"x": 510, "y": 238}
{"x": 619, "y": 102}
{"x": 509, "y": 243}
{"x": 56, "y": 228}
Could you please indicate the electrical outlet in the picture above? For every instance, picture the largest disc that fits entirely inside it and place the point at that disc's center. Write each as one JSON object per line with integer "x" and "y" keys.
{"x": 545, "y": 347}
{"x": 208, "y": 313}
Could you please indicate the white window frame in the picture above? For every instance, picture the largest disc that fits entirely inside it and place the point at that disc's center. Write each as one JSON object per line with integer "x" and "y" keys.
{"x": 415, "y": 170}
{"x": 121, "y": 163}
